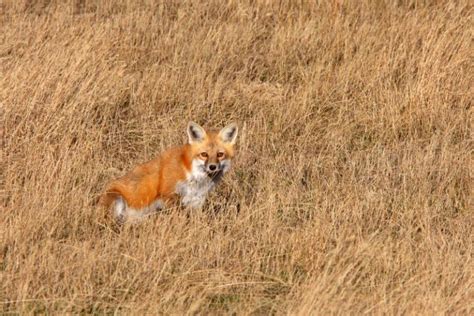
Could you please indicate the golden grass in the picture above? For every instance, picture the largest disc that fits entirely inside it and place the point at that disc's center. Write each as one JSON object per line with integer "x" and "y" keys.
{"x": 350, "y": 192}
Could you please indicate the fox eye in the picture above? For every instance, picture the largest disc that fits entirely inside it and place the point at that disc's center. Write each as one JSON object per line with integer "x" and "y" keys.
{"x": 204, "y": 155}
{"x": 220, "y": 154}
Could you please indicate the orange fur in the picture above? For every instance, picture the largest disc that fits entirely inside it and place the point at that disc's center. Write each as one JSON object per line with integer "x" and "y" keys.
{"x": 151, "y": 180}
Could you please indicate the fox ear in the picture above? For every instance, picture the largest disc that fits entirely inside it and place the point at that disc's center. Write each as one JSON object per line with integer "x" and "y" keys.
{"x": 229, "y": 133}
{"x": 196, "y": 133}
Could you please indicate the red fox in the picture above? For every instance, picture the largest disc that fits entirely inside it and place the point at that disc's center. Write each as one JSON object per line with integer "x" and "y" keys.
{"x": 186, "y": 173}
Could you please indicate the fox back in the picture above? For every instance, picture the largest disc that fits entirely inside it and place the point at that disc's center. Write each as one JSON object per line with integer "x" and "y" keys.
{"x": 185, "y": 174}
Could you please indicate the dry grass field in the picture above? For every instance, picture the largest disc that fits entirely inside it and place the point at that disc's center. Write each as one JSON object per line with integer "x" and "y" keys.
{"x": 351, "y": 191}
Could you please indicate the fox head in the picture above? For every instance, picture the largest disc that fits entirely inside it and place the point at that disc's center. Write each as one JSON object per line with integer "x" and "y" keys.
{"x": 212, "y": 151}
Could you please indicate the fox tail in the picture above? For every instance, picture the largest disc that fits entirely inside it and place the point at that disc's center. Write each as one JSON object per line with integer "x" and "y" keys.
{"x": 109, "y": 197}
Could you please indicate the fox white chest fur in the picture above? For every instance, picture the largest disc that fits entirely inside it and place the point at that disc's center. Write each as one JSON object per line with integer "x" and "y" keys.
{"x": 194, "y": 189}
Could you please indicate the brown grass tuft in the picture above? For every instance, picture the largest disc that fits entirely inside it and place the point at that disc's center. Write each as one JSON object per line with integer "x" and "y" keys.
{"x": 351, "y": 191}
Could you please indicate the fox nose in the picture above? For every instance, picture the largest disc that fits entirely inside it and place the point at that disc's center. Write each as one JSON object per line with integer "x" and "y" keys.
{"x": 212, "y": 167}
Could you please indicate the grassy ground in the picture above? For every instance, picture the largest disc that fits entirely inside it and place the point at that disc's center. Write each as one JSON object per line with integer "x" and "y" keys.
{"x": 350, "y": 192}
